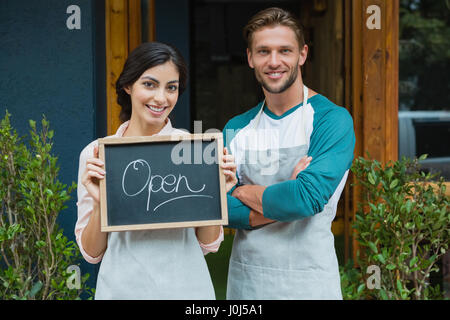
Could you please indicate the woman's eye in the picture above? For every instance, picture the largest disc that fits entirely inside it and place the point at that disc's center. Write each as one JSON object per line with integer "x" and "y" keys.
{"x": 172, "y": 88}
{"x": 149, "y": 84}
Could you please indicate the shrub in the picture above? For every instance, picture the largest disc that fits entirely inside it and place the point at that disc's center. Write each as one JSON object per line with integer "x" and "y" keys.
{"x": 402, "y": 226}
{"x": 35, "y": 255}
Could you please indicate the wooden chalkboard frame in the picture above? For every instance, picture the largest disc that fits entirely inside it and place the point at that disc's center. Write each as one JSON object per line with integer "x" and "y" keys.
{"x": 103, "y": 142}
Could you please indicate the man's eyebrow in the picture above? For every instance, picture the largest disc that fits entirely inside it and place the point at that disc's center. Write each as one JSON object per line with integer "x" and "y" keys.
{"x": 282, "y": 47}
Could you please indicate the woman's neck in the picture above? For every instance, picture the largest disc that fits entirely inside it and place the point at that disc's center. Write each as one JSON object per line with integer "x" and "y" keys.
{"x": 138, "y": 128}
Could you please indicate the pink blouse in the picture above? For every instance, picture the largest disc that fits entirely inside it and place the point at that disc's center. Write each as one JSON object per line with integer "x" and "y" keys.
{"x": 85, "y": 202}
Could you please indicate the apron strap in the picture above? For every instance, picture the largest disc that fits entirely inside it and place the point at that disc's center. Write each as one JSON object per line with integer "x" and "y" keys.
{"x": 305, "y": 95}
{"x": 305, "y": 102}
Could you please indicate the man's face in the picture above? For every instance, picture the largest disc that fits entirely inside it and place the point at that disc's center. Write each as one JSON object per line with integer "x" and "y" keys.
{"x": 276, "y": 57}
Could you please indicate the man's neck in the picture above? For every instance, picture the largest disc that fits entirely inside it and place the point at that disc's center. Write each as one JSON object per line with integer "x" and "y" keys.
{"x": 279, "y": 103}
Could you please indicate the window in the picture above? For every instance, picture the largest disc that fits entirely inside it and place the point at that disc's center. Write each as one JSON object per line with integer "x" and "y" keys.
{"x": 424, "y": 84}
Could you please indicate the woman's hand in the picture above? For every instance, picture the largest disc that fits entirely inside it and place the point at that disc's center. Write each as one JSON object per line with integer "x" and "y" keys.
{"x": 229, "y": 169}
{"x": 92, "y": 175}
{"x": 300, "y": 166}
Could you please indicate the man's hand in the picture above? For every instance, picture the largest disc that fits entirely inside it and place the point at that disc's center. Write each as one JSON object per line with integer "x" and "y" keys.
{"x": 300, "y": 166}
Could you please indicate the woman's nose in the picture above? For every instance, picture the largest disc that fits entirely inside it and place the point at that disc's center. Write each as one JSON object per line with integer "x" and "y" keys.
{"x": 160, "y": 97}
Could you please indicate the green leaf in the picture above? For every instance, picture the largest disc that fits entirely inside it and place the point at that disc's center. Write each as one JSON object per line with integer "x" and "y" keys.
{"x": 361, "y": 288}
{"x": 399, "y": 286}
{"x": 413, "y": 261}
{"x": 35, "y": 289}
{"x": 393, "y": 184}
{"x": 370, "y": 178}
{"x": 383, "y": 294}
{"x": 372, "y": 246}
{"x": 409, "y": 205}
{"x": 381, "y": 258}
{"x": 390, "y": 266}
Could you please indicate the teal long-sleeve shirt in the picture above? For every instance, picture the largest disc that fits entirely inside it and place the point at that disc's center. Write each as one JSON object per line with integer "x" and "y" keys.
{"x": 329, "y": 129}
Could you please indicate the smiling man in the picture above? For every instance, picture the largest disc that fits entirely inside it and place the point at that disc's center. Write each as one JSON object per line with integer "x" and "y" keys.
{"x": 285, "y": 202}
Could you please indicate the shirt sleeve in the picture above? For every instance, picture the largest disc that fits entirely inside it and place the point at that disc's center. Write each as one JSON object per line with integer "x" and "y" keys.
{"x": 85, "y": 204}
{"x": 238, "y": 212}
{"x": 331, "y": 148}
{"x": 213, "y": 246}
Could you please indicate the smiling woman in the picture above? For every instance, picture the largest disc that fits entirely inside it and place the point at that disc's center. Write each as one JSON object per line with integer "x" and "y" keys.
{"x": 148, "y": 88}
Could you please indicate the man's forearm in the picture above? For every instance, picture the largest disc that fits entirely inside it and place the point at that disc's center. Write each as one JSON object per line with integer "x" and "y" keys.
{"x": 251, "y": 196}
{"x": 257, "y": 219}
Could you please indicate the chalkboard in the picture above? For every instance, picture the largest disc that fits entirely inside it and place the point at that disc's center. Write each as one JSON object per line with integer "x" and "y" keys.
{"x": 162, "y": 182}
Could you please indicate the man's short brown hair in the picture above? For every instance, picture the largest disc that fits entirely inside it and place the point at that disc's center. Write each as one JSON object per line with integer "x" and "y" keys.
{"x": 273, "y": 17}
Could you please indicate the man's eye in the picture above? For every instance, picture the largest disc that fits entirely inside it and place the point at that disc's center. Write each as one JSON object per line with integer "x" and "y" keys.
{"x": 262, "y": 51}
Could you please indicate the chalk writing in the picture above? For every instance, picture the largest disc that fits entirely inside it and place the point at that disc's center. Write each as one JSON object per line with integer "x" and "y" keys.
{"x": 168, "y": 184}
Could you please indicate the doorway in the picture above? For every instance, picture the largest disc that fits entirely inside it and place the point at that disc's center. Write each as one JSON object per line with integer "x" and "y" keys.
{"x": 223, "y": 85}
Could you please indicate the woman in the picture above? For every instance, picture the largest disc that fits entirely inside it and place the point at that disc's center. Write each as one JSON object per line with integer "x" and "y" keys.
{"x": 156, "y": 264}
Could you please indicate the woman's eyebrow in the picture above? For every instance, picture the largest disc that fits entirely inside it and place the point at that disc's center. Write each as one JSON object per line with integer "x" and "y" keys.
{"x": 150, "y": 78}
{"x": 157, "y": 81}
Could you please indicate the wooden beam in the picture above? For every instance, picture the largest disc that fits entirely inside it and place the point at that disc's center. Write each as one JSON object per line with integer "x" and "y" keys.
{"x": 151, "y": 21}
{"x": 347, "y": 102}
{"x": 374, "y": 94}
{"x": 116, "y": 20}
{"x": 134, "y": 24}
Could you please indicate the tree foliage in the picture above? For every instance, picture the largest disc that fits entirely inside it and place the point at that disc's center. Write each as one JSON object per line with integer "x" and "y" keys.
{"x": 35, "y": 254}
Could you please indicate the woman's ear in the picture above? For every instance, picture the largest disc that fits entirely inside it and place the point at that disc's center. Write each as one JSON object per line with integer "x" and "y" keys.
{"x": 127, "y": 89}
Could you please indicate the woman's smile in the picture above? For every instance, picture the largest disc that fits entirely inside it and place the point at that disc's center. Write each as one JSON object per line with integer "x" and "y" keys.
{"x": 156, "y": 110}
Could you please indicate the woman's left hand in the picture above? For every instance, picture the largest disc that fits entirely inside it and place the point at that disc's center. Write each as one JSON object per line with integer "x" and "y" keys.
{"x": 229, "y": 169}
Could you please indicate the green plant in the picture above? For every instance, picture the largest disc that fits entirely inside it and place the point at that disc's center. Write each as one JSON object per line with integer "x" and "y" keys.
{"x": 352, "y": 282}
{"x": 35, "y": 254}
{"x": 402, "y": 226}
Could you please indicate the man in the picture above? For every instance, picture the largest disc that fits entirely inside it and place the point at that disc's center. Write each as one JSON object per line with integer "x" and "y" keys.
{"x": 285, "y": 202}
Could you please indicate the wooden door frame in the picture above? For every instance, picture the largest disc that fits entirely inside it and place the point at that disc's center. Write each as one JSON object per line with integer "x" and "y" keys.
{"x": 123, "y": 33}
{"x": 371, "y": 76}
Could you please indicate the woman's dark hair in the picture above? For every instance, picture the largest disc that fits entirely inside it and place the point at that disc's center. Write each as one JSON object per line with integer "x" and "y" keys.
{"x": 146, "y": 56}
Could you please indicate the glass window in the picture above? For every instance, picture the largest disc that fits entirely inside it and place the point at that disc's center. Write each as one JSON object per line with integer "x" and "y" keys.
{"x": 424, "y": 84}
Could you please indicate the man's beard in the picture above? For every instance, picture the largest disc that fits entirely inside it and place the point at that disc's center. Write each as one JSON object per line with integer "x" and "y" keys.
{"x": 286, "y": 85}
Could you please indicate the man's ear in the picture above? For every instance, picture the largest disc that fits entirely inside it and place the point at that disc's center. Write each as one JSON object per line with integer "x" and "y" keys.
{"x": 303, "y": 55}
{"x": 249, "y": 58}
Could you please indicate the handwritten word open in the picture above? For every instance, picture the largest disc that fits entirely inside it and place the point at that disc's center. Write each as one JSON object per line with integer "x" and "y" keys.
{"x": 169, "y": 184}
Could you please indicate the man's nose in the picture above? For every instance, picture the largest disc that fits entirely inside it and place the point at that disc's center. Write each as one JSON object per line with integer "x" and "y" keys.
{"x": 274, "y": 60}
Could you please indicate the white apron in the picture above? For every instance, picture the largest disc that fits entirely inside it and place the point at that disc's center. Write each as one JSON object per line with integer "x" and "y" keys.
{"x": 156, "y": 264}
{"x": 294, "y": 260}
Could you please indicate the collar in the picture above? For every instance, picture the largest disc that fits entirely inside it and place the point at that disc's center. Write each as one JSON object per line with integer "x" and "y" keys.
{"x": 166, "y": 130}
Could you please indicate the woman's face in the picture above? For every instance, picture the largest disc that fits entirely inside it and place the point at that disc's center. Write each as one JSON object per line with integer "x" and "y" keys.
{"x": 154, "y": 94}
